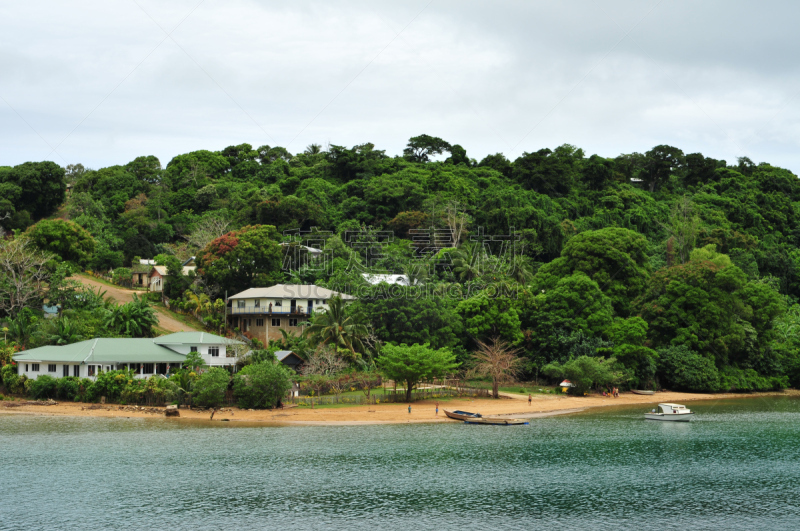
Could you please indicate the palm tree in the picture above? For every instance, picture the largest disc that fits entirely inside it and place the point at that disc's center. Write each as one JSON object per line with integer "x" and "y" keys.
{"x": 466, "y": 263}
{"x": 335, "y": 327}
{"x": 132, "y": 319}
{"x": 518, "y": 269}
{"x": 201, "y": 304}
{"x": 498, "y": 360}
{"x": 313, "y": 149}
{"x": 64, "y": 333}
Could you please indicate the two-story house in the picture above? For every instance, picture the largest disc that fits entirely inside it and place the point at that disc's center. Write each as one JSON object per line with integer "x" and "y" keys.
{"x": 264, "y": 312}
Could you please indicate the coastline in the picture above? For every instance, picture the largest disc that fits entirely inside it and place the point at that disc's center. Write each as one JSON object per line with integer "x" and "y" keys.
{"x": 421, "y": 412}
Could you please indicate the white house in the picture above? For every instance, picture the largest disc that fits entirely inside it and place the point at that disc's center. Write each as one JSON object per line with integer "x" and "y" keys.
{"x": 263, "y": 312}
{"x": 146, "y": 356}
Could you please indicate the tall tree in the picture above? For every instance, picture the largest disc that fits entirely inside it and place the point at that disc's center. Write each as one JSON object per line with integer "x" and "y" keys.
{"x": 416, "y": 363}
{"x": 421, "y": 148}
{"x": 23, "y": 275}
{"x": 335, "y": 327}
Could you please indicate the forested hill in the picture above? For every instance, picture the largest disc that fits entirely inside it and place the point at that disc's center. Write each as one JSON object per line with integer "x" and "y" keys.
{"x": 683, "y": 268}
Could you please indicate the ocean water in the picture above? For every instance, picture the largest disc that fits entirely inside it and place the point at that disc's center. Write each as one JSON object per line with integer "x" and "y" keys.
{"x": 737, "y": 466}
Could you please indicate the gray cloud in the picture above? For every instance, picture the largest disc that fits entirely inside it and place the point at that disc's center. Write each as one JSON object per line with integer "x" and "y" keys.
{"x": 103, "y": 83}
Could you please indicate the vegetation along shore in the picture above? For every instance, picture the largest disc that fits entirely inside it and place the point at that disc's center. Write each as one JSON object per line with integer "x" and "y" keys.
{"x": 313, "y": 279}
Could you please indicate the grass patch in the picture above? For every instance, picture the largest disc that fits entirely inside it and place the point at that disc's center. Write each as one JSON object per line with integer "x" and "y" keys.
{"x": 183, "y": 318}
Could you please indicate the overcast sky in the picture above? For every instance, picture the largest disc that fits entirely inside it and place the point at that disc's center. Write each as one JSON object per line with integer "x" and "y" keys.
{"x": 102, "y": 82}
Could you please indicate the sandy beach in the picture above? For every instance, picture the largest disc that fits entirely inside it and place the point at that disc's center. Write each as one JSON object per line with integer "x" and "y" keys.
{"x": 424, "y": 411}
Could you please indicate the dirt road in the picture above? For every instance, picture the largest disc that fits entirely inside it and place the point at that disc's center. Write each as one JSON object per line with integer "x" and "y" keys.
{"x": 126, "y": 295}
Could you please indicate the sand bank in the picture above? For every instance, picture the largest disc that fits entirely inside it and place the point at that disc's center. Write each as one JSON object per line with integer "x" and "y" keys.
{"x": 424, "y": 411}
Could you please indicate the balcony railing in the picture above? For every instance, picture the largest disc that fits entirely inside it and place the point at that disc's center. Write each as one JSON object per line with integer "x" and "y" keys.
{"x": 299, "y": 310}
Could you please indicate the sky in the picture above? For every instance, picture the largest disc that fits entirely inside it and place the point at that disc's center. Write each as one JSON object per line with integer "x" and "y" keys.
{"x": 102, "y": 82}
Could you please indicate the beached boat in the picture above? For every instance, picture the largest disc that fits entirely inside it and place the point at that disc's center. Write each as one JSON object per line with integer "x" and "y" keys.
{"x": 494, "y": 421}
{"x": 672, "y": 412}
{"x": 642, "y": 392}
{"x": 462, "y": 415}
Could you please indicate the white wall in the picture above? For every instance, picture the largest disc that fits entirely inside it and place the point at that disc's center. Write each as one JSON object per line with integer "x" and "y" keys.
{"x": 84, "y": 369}
{"x": 215, "y": 361}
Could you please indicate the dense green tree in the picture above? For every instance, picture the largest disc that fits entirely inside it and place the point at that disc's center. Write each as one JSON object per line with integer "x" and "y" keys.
{"x": 209, "y": 388}
{"x": 614, "y": 258}
{"x": 42, "y": 185}
{"x": 247, "y": 258}
{"x": 63, "y": 238}
{"x": 420, "y": 148}
{"x": 261, "y": 385}
{"x": 416, "y": 363}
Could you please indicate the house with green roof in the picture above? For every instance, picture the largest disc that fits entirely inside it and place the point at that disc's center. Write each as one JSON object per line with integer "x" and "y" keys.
{"x": 145, "y": 356}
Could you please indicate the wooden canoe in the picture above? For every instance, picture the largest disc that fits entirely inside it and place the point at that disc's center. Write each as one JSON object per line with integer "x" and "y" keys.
{"x": 497, "y": 421}
{"x": 642, "y": 392}
{"x": 462, "y": 415}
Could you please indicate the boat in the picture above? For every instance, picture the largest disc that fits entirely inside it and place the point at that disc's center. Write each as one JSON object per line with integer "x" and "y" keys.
{"x": 494, "y": 421}
{"x": 462, "y": 415}
{"x": 642, "y": 392}
{"x": 672, "y": 412}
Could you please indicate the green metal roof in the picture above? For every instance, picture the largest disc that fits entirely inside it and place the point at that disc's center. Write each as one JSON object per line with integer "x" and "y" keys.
{"x": 194, "y": 338}
{"x": 104, "y": 350}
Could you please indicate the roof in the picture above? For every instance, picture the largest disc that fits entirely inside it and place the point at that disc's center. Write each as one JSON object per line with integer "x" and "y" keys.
{"x": 291, "y": 291}
{"x": 162, "y": 270}
{"x": 140, "y": 268}
{"x": 51, "y": 309}
{"x": 103, "y": 350}
{"x": 283, "y": 354}
{"x": 145, "y": 261}
{"x": 194, "y": 338}
{"x": 389, "y": 279}
{"x": 312, "y": 250}
{"x": 671, "y": 405}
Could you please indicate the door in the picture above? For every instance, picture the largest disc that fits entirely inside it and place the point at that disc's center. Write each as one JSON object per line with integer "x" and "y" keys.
{"x": 310, "y": 306}
{"x": 293, "y": 307}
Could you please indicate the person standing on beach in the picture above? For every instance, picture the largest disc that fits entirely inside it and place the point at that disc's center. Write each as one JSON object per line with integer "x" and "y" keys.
{"x": 530, "y": 398}
{"x": 437, "y": 408}
{"x": 409, "y": 409}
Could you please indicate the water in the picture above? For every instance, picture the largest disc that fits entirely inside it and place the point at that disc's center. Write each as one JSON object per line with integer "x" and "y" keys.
{"x": 736, "y": 467}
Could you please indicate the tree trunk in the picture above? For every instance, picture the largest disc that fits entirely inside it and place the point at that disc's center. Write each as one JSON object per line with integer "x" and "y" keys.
{"x": 408, "y": 391}
{"x": 495, "y": 389}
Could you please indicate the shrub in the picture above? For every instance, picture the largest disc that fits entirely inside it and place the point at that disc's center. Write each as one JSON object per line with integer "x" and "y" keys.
{"x": 585, "y": 372}
{"x": 68, "y": 388}
{"x": 43, "y": 387}
{"x": 261, "y": 385}
{"x": 210, "y": 387}
{"x": 12, "y": 381}
{"x": 110, "y": 384}
{"x": 684, "y": 370}
{"x": 735, "y": 379}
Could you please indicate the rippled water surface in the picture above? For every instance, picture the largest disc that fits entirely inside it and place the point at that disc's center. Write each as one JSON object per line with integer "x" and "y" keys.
{"x": 736, "y": 467}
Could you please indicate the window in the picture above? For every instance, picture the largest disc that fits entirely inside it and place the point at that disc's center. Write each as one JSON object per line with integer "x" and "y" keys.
{"x": 147, "y": 368}
{"x": 90, "y": 372}
{"x": 161, "y": 368}
{"x": 292, "y": 322}
{"x": 192, "y": 349}
{"x": 26, "y": 367}
{"x": 65, "y": 371}
{"x": 276, "y": 322}
{"x": 34, "y": 367}
{"x": 240, "y": 304}
{"x": 213, "y": 352}
{"x": 259, "y": 322}
{"x": 76, "y": 370}
{"x": 51, "y": 367}
{"x": 258, "y": 303}
{"x": 277, "y": 304}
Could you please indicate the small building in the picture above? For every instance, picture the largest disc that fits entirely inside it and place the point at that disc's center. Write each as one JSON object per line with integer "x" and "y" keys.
{"x": 140, "y": 275}
{"x": 51, "y": 312}
{"x": 158, "y": 276}
{"x": 145, "y": 356}
{"x": 290, "y": 359}
{"x": 264, "y": 312}
{"x": 401, "y": 280}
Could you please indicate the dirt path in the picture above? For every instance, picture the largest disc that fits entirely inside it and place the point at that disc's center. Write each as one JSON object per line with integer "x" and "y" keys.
{"x": 121, "y": 295}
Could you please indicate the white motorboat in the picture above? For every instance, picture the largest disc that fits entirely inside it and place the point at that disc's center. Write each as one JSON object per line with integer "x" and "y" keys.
{"x": 673, "y": 412}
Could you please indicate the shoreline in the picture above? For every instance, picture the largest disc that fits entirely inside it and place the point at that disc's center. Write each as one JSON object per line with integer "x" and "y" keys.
{"x": 421, "y": 412}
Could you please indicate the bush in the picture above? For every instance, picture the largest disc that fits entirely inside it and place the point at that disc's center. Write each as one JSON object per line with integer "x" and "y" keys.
{"x": 43, "y": 387}
{"x": 210, "y": 387}
{"x": 68, "y": 388}
{"x": 13, "y": 382}
{"x": 585, "y": 372}
{"x": 734, "y": 379}
{"x": 110, "y": 384}
{"x": 261, "y": 385}
{"x": 682, "y": 369}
